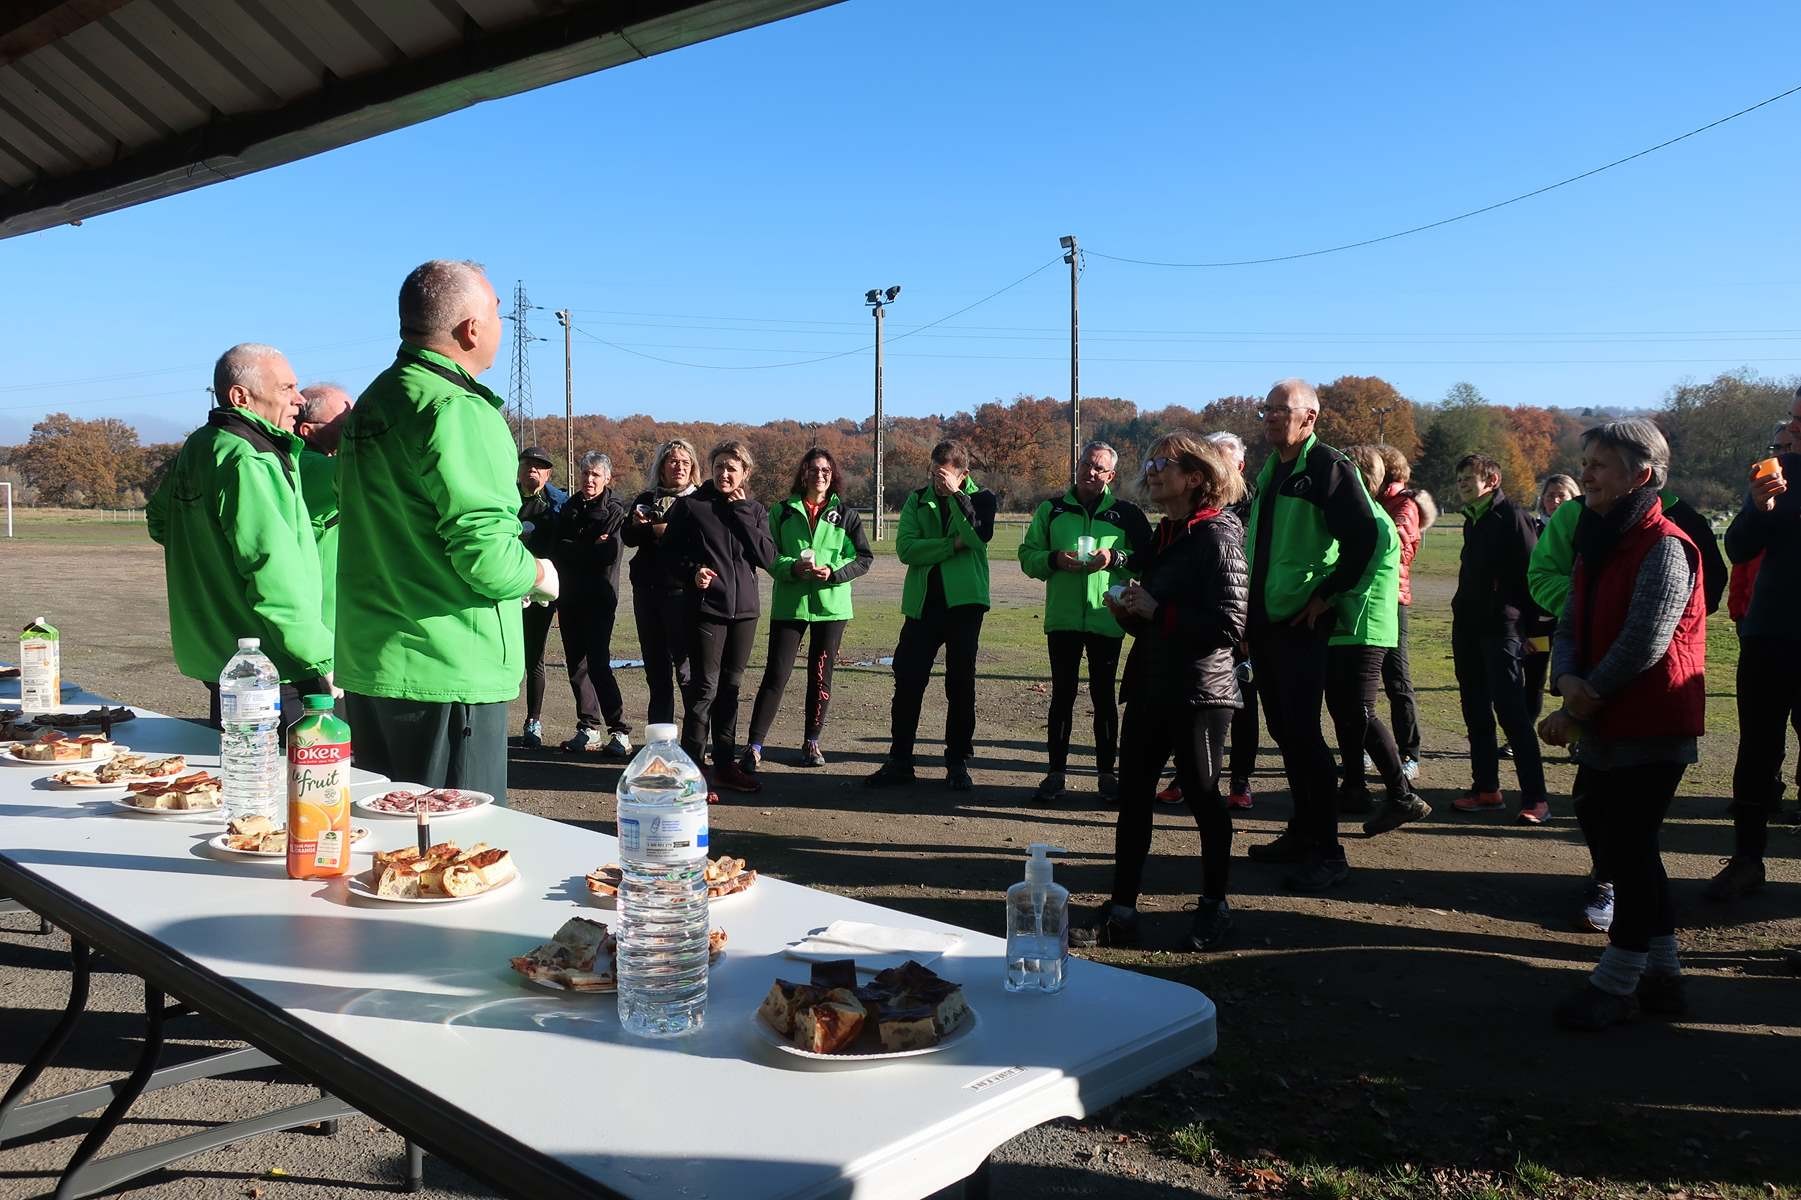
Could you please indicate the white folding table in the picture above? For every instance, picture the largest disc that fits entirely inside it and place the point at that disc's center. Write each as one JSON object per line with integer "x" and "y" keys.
{"x": 411, "y": 1014}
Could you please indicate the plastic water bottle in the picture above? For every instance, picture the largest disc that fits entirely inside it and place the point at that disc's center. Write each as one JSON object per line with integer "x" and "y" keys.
{"x": 1037, "y": 928}
{"x": 662, "y": 930}
{"x": 249, "y": 718}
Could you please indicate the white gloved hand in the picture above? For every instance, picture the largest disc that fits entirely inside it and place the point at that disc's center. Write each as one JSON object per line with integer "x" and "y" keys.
{"x": 331, "y": 683}
{"x": 545, "y": 590}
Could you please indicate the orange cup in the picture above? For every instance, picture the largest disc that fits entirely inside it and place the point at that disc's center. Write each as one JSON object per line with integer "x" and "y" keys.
{"x": 1765, "y": 469}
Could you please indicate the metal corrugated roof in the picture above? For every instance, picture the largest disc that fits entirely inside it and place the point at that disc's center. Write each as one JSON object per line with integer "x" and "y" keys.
{"x": 109, "y": 103}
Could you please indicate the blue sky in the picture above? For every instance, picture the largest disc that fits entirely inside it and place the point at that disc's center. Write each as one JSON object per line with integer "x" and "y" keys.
{"x": 728, "y": 204}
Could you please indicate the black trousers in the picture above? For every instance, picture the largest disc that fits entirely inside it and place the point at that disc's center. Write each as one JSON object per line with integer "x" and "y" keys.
{"x": 1067, "y": 648}
{"x": 663, "y": 643}
{"x": 537, "y": 631}
{"x": 1197, "y": 738}
{"x": 1491, "y": 682}
{"x": 717, "y": 653}
{"x": 1353, "y": 680}
{"x": 1533, "y": 669}
{"x": 1291, "y": 682}
{"x": 958, "y": 631}
{"x": 1769, "y": 694}
{"x": 440, "y": 745}
{"x": 588, "y": 648}
{"x": 785, "y": 638}
{"x": 1621, "y": 812}
{"x": 291, "y": 710}
{"x": 1244, "y": 739}
{"x": 1397, "y": 681}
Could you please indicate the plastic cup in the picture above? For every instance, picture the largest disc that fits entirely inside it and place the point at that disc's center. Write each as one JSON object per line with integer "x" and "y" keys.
{"x": 806, "y": 556}
{"x": 1766, "y": 468}
{"x": 1085, "y": 547}
{"x": 1115, "y": 592}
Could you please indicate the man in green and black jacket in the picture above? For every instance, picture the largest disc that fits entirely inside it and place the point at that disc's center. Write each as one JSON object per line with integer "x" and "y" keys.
{"x": 238, "y": 550}
{"x": 1077, "y": 575}
{"x": 1311, "y": 536}
{"x": 431, "y": 568}
{"x": 945, "y": 528}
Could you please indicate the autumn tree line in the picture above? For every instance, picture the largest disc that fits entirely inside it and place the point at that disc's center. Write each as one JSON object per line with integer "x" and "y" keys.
{"x": 1021, "y": 446}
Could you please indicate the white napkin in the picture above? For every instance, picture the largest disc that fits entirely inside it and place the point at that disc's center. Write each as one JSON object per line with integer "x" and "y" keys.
{"x": 875, "y": 947}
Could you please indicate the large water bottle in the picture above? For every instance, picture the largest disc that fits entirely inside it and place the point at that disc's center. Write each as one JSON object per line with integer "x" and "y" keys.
{"x": 662, "y": 928}
{"x": 249, "y": 718}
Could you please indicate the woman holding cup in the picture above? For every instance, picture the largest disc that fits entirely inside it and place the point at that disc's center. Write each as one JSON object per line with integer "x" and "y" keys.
{"x": 819, "y": 550}
{"x": 656, "y": 598}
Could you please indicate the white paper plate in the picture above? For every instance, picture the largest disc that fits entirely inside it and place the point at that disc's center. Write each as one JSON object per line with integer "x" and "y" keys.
{"x": 95, "y": 787}
{"x": 552, "y": 986}
{"x": 215, "y": 812}
{"x": 62, "y": 764}
{"x": 374, "y": 791}
{"x": 609, "y": 903}
{"x": 357, "y": 834}
{"x": 960, "y": 1034}
{"x": 362, "y": 888}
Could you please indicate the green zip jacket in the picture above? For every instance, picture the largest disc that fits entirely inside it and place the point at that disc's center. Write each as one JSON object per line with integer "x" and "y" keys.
{"x": 923, "y": 544}
{"x": 837, "y": 543}
{"x": 1072, "y": 599}
{"x": 1322, "y": 534}
{"x": 1554, "y": 558}
{"x": 1370, "y": 613}
{"x": 319, "y": 484}
{"x": 430, "y": 564}
{"x": 238, "y": 551}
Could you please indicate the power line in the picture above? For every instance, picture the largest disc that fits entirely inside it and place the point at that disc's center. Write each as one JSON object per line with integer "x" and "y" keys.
{"x": 1464, "y": 216}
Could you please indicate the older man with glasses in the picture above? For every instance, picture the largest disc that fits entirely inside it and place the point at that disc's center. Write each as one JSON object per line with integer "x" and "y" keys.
{"x": 1311, "y": 535}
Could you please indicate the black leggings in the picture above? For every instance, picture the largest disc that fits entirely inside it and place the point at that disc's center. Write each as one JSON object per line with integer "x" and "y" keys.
{"x": 1397, "y": 681}
{"x": 717, "y": 652}
{"x": 1353, "y": 680}
{"x": 663, "y": 642}
{"x": 1621, "y": 812}
{"x": 1067, "y": 647}
{"x": 822, "y": 654}
{"x": 1197, "y": 737}
{"x": 537, "y": 632}
{"x": 1244, "y": 738}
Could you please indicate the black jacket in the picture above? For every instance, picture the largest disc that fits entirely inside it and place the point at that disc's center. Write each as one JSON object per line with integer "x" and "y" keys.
{"x": 648, "y": 573}
{"x": 586, "y": 548}
{"x": 1183, "y": 655}
{"x": 1777, "y": 536}
{"x": 1683, "y": 516}
{"x": 731, "y": 537}
{"x": 540, "y": 512}
{"x": 1491, "y": 578}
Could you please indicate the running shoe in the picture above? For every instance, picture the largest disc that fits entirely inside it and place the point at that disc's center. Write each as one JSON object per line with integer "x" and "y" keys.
{"x": 1474, "y": 801}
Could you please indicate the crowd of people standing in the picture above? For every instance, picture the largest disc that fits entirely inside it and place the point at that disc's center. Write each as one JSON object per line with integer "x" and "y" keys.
{"x": 400, "y": 551}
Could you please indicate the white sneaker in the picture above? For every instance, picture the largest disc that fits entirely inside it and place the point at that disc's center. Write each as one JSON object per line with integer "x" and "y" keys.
{"x": 1410, "y": 769}
{"x": 617, "y": 746}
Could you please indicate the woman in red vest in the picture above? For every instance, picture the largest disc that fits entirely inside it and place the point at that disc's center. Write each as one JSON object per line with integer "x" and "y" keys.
{"x": 1628, "y": 660}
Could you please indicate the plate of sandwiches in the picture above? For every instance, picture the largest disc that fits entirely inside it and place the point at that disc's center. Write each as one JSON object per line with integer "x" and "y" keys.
{"x": 726, "y": 876}
{"x": 903, "y": 1012}
{"x": 122, "y": 769}
{"x": 402, "y": 800}
{"x": 582, "y": 957}
{"x": 444, "y": 874}
{"x": 55, "y": 748}
{"x": 257, "y": 836}
{"x": 197, "y": 791}
{"x": 92, "y": 718}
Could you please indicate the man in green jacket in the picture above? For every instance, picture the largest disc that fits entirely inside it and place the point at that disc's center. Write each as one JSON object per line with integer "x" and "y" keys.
{"x": 1078, "y": 543}
{"x": 239, "y": 556}
{"x": 945, "y": 528}
{"x": 430, "y": 565}
{"x": 323, "y": 409}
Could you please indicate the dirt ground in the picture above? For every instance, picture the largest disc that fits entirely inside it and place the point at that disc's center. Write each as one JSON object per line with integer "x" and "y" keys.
{"x": 1390, "y": 1038}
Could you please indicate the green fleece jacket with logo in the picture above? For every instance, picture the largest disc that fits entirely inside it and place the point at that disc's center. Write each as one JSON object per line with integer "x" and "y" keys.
{"x": 1370, "y": 613}
{"x": 837, "y": 543}
{"x": 319, "y": 484}
{"x": 930, "y": 526}
{"x": 431, "y": 567}
{"x": 238, "y": 550}
{"x": 1320, "y": 537}
{"x": 1073, "y": 599}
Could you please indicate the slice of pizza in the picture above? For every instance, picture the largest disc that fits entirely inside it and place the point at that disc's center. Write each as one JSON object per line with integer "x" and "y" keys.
{"x": 579, "y": 956}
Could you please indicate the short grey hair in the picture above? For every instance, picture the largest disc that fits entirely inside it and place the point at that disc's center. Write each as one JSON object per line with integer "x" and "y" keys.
{"x": 1097, "y": 444}
{"x": 1639, "y": 443}
{"x": 595, "y": 458}
{"x": 241, "y": 366}
{"x": 440, "y": 295}
{"x": 1297, "y": 392}
{"x": 1231, "y": 443}
{"x": 313, "y": 397}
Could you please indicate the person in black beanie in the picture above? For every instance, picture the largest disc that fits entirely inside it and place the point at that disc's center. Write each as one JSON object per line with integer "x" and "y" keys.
{"x": 586, "y": 552}
{"x": 539, "y": 502}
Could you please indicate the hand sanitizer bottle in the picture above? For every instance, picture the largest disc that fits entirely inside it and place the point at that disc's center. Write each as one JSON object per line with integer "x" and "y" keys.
{"x": 1037, "y": 927}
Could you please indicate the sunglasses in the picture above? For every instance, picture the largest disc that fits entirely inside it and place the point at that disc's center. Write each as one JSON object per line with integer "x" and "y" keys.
{"x": 1162, "y": 462}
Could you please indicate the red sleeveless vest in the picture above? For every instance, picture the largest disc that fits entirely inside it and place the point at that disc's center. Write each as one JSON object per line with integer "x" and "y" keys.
{"x": 1670, "y": 698}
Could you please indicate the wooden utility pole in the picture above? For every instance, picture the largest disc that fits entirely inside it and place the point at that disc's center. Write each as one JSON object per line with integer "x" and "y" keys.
{"x": 1071, "y": 257}
{"x": 1381, "y": 414}
{"x": 567, "y": 321}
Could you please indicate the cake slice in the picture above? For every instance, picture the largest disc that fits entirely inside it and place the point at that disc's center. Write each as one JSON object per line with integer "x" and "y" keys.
{"x": 830, "y": 1026}
{"x": 908, "y": 1029}
{"x": 784, "y": 1002}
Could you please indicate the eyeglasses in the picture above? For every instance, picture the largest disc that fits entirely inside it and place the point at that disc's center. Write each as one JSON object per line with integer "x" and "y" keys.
{"x": 1161, "y": 463}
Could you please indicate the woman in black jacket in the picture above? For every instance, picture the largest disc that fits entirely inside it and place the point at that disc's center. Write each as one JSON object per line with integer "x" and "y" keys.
{"x": 585, "y": 548}
{"x": 656, "y": 596}
{"x": 1187, "y": 613}
{"x": 717, "y": 538}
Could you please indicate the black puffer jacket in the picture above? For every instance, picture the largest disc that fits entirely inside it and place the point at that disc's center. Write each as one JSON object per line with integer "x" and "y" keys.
{"x": 1196, "y": 572}
{"x": 731, "y": 537}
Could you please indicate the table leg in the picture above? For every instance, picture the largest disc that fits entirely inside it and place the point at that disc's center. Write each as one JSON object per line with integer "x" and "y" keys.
{"x": 154, "y": 1012}
{"x": 415, "y": 1166}
{"x": 59, "y": 1034}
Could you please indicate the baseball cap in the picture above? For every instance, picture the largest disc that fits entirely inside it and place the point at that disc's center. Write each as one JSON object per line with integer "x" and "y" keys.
{"x": 536, "y": 454}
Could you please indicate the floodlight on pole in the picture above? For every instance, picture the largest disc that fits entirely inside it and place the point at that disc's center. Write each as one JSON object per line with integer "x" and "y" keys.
{"x": 877, "y": 299}
{"x": 1073, "y": 256}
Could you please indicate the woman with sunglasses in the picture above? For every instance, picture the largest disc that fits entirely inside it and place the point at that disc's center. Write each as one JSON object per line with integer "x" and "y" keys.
{"x": 656, "y": 597}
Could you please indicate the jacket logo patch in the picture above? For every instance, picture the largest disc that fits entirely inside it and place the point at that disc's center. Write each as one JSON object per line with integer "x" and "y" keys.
{"x": 1298, "y": 485}
{"x": 835, "y": 517}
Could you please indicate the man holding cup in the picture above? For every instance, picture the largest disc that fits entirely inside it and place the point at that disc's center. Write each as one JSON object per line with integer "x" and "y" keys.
{"x": 1079, "y": 543}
